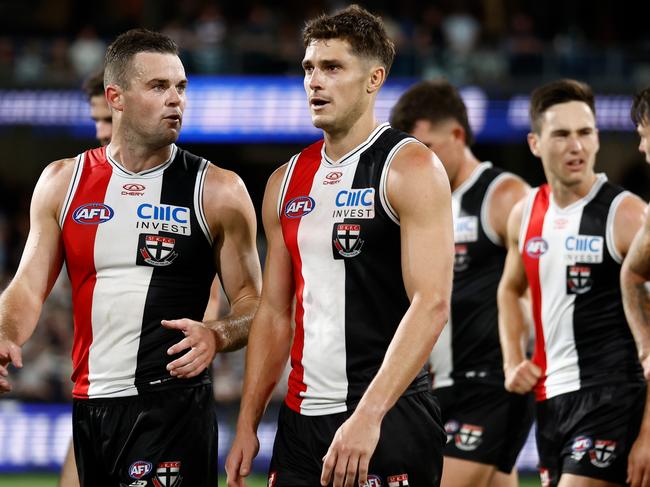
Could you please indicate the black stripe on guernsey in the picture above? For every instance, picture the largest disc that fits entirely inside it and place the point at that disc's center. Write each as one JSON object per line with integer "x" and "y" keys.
{"x": 475, "y": 348}
{"x": 375, "y": 298}
{"x": 604, "y": 343}
{"x": 179, "y": 290}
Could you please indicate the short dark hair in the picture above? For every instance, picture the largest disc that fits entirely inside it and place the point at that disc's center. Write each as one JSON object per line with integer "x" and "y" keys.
{"x": 435, "y": 101}
{"x": 94, "y": 85}
{"x": 364, "y": 32}
{"x": 554, "y": 93}
{"x": 121, "y": 51}
{"x": 640, "y": 111}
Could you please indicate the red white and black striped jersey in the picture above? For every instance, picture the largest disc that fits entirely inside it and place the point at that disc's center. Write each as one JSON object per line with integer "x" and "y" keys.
{"x": 344, "y": 241}
{"x": 582, "y": 338}
{"x": 138, "y": 249}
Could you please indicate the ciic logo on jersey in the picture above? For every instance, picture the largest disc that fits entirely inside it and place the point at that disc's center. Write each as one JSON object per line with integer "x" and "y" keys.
{"x": 272, "y": 478}
{"x": 578, "y": 279}
{"x": 347, "y": 239}
{"x": 536, "y": 247}
{"x": 398, "y": 480}
{"x": 93, "y": 214}
{"x": 299, "y": 207}
{"x": 132, "y": 189}
{"x": 580, "y": 447}
{"x": 545, "y": 477}
{"x": 586, "y": 249}
{"x": 333, "y": 177}
{"x": 469, "y": 437}
{"x": 465, "y": 229}
{"x": 451, "y": 428}
{"x": 156, "y": 250}
{"x": 355, "y": 203}
{"x": 373, "y": 481}
{"x": 461, "y": 258}
{"x": 603, "y": 453}
{"x": 168, "y": 475}
{"x": 164, "y": 218}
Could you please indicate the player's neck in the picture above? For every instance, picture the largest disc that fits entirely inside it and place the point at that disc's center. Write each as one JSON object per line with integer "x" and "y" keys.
{"x": 339, "y": 142}
{"x": 137, "y": 158}
{"x": 466, "y": 169}
{"x": 565, "y": 195}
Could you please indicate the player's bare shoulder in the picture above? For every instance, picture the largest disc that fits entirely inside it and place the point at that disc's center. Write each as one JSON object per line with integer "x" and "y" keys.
{"x": 53, "y": 184}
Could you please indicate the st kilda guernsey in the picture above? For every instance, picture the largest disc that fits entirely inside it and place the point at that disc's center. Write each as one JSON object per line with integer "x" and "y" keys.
{"x": 582, "y": 338}
{"x": 138, "y": 250}
{"x": 344, "y": 241}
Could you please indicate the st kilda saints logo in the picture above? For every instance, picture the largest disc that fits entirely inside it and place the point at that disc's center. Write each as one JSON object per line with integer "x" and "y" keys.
{"x": 578, "y": 279}
{"x": 347, "y": 240}
{"x": 156, "y": 250}
{"x": 168, "y": 475}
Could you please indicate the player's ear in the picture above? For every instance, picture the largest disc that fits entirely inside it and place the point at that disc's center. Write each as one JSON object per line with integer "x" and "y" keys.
{"x": 114, "y": 97}
{"x": 533, "y": 143}
{"x": 376, "y": 79}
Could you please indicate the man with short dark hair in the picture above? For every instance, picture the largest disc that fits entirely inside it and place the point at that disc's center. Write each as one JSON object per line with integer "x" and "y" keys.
{"x": 359, "y": 229}
{"x": 566, "y": 242}
{"x": 100, "y": 112}
{"x": 486, "y": 425}
{"x": 143, "y": 227}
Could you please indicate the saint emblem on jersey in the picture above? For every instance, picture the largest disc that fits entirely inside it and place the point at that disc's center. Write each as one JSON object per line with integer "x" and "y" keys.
{"x": 347, "y": 239}
{"x": 156, "y": 250}
{"x": 469, "y": 437}
{"x": 603, "y": 453}
{"x": 461, "y": 258}
{"x": 578, "y": 279}
{"x": 168, "y": 475}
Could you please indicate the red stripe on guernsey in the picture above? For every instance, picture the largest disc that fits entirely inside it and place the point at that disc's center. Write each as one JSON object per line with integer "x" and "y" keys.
{"x": 300, "y": 185}
{"x": 535, "y": 227}
{"x": 81, "y": 264}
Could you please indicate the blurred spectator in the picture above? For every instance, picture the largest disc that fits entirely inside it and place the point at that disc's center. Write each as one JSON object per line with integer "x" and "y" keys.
{"x": 30, "y": 66}
{"x": 87, "y": 52}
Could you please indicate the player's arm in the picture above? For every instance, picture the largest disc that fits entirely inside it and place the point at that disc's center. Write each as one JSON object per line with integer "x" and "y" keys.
{"x": 506, "y": 194}
{"x": 40, "y": 264}
{"x": 231, "y": 217}
{"x": 521, "y": 375}
{"x": 269, "y": 340}
{"x": 418, "y": 190}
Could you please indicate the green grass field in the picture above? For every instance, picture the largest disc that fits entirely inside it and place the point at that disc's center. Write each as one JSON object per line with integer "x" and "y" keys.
{"x": 33, "y": 480}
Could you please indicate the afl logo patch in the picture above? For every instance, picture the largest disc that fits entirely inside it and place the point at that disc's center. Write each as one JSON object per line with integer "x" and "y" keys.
{"x": 139, "y": 469}
{"x": 93, "y": 214}
{"x": 536, "y": 247}
{"x": 300, "y": 206}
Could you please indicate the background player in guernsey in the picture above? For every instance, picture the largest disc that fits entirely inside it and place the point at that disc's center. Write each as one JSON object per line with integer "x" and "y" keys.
{"x": 141, "y": 264}
{"x": 566, "y": 242}
{"x": 359, "y": 230}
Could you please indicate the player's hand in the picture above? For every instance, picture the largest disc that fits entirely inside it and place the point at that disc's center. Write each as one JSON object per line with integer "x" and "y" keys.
{"x": 240, "y": 458}
{"x": 350, "y": 452}
{"x": 9, "y": 354}
{"x": 638, "y": 462}
{"x": 201, "y": 342}
{"x": 522, "y": 377}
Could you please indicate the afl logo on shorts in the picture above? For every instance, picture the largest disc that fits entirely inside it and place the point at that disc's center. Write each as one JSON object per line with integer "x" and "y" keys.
{"x": 299, "y": 207}
{"x": 373, "y": 481}
{"x": 93, "y": 214}
{"x": 536, "y": 247}
{"x": 139, "y": 469}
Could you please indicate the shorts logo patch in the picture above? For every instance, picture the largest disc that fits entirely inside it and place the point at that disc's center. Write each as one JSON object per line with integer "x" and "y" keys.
{"x": 461, "y": 258}
{"x": 168, "y": 475}
{"x": 347, "y": 239}
{"x": 139, "y": 469}
{"x": 469, "y": 437}
{"x": 156, "y": 250}
{"x": 544, "y": 477}
{"x": 373, "y": 481}
{"x": 451, "y": 428}
{"x": 580, "y": 447}
{"x": 398, "y": 480}
{"x": 272, "y": 478}
{"x": 578, "y": 279}
{"x": 603, "y": 453}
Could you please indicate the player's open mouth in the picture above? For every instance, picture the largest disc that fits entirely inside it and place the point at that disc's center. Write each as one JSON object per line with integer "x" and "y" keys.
{"x": 317, "y": 103}
{"x": 575, "y": 163}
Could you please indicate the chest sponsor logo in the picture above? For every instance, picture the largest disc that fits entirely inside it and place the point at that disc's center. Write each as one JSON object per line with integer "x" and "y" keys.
{"x": 466, "y": 229}
{"x": 560, "y": 223}
{"x": 355, "y": 203}
{"x": 347, "y": 240}
{"x": 603, "y": 453}
{"x": 461, "y": 258}
{"x": 156, "y": 250}
{"x": 580, "y": 447}
{"x": 139, "y": 469}
{"x": 536, "y": 247}
{"x": 168, "y": 474}
{"x": 333, "y": 177}
{"x": 586, "y": 249}
{"x": 133, "y": 189}
{"x": 299, "y": 207}
{"x": 164, "y": 218}
{"x": 469, "y": 437}
{"x": 578, "y": 279}
{"x": 373, "y": 481}
{"x": 93, "y": 214}
{"x": 398, "y": 480}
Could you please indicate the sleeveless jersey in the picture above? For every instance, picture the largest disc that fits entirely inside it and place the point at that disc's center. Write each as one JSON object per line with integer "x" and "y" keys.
{"x": 468, "y": 347}
{"x": 572, "y": 266}
{"x": 344, "y": 241}
{"x": 138, "y": 250}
